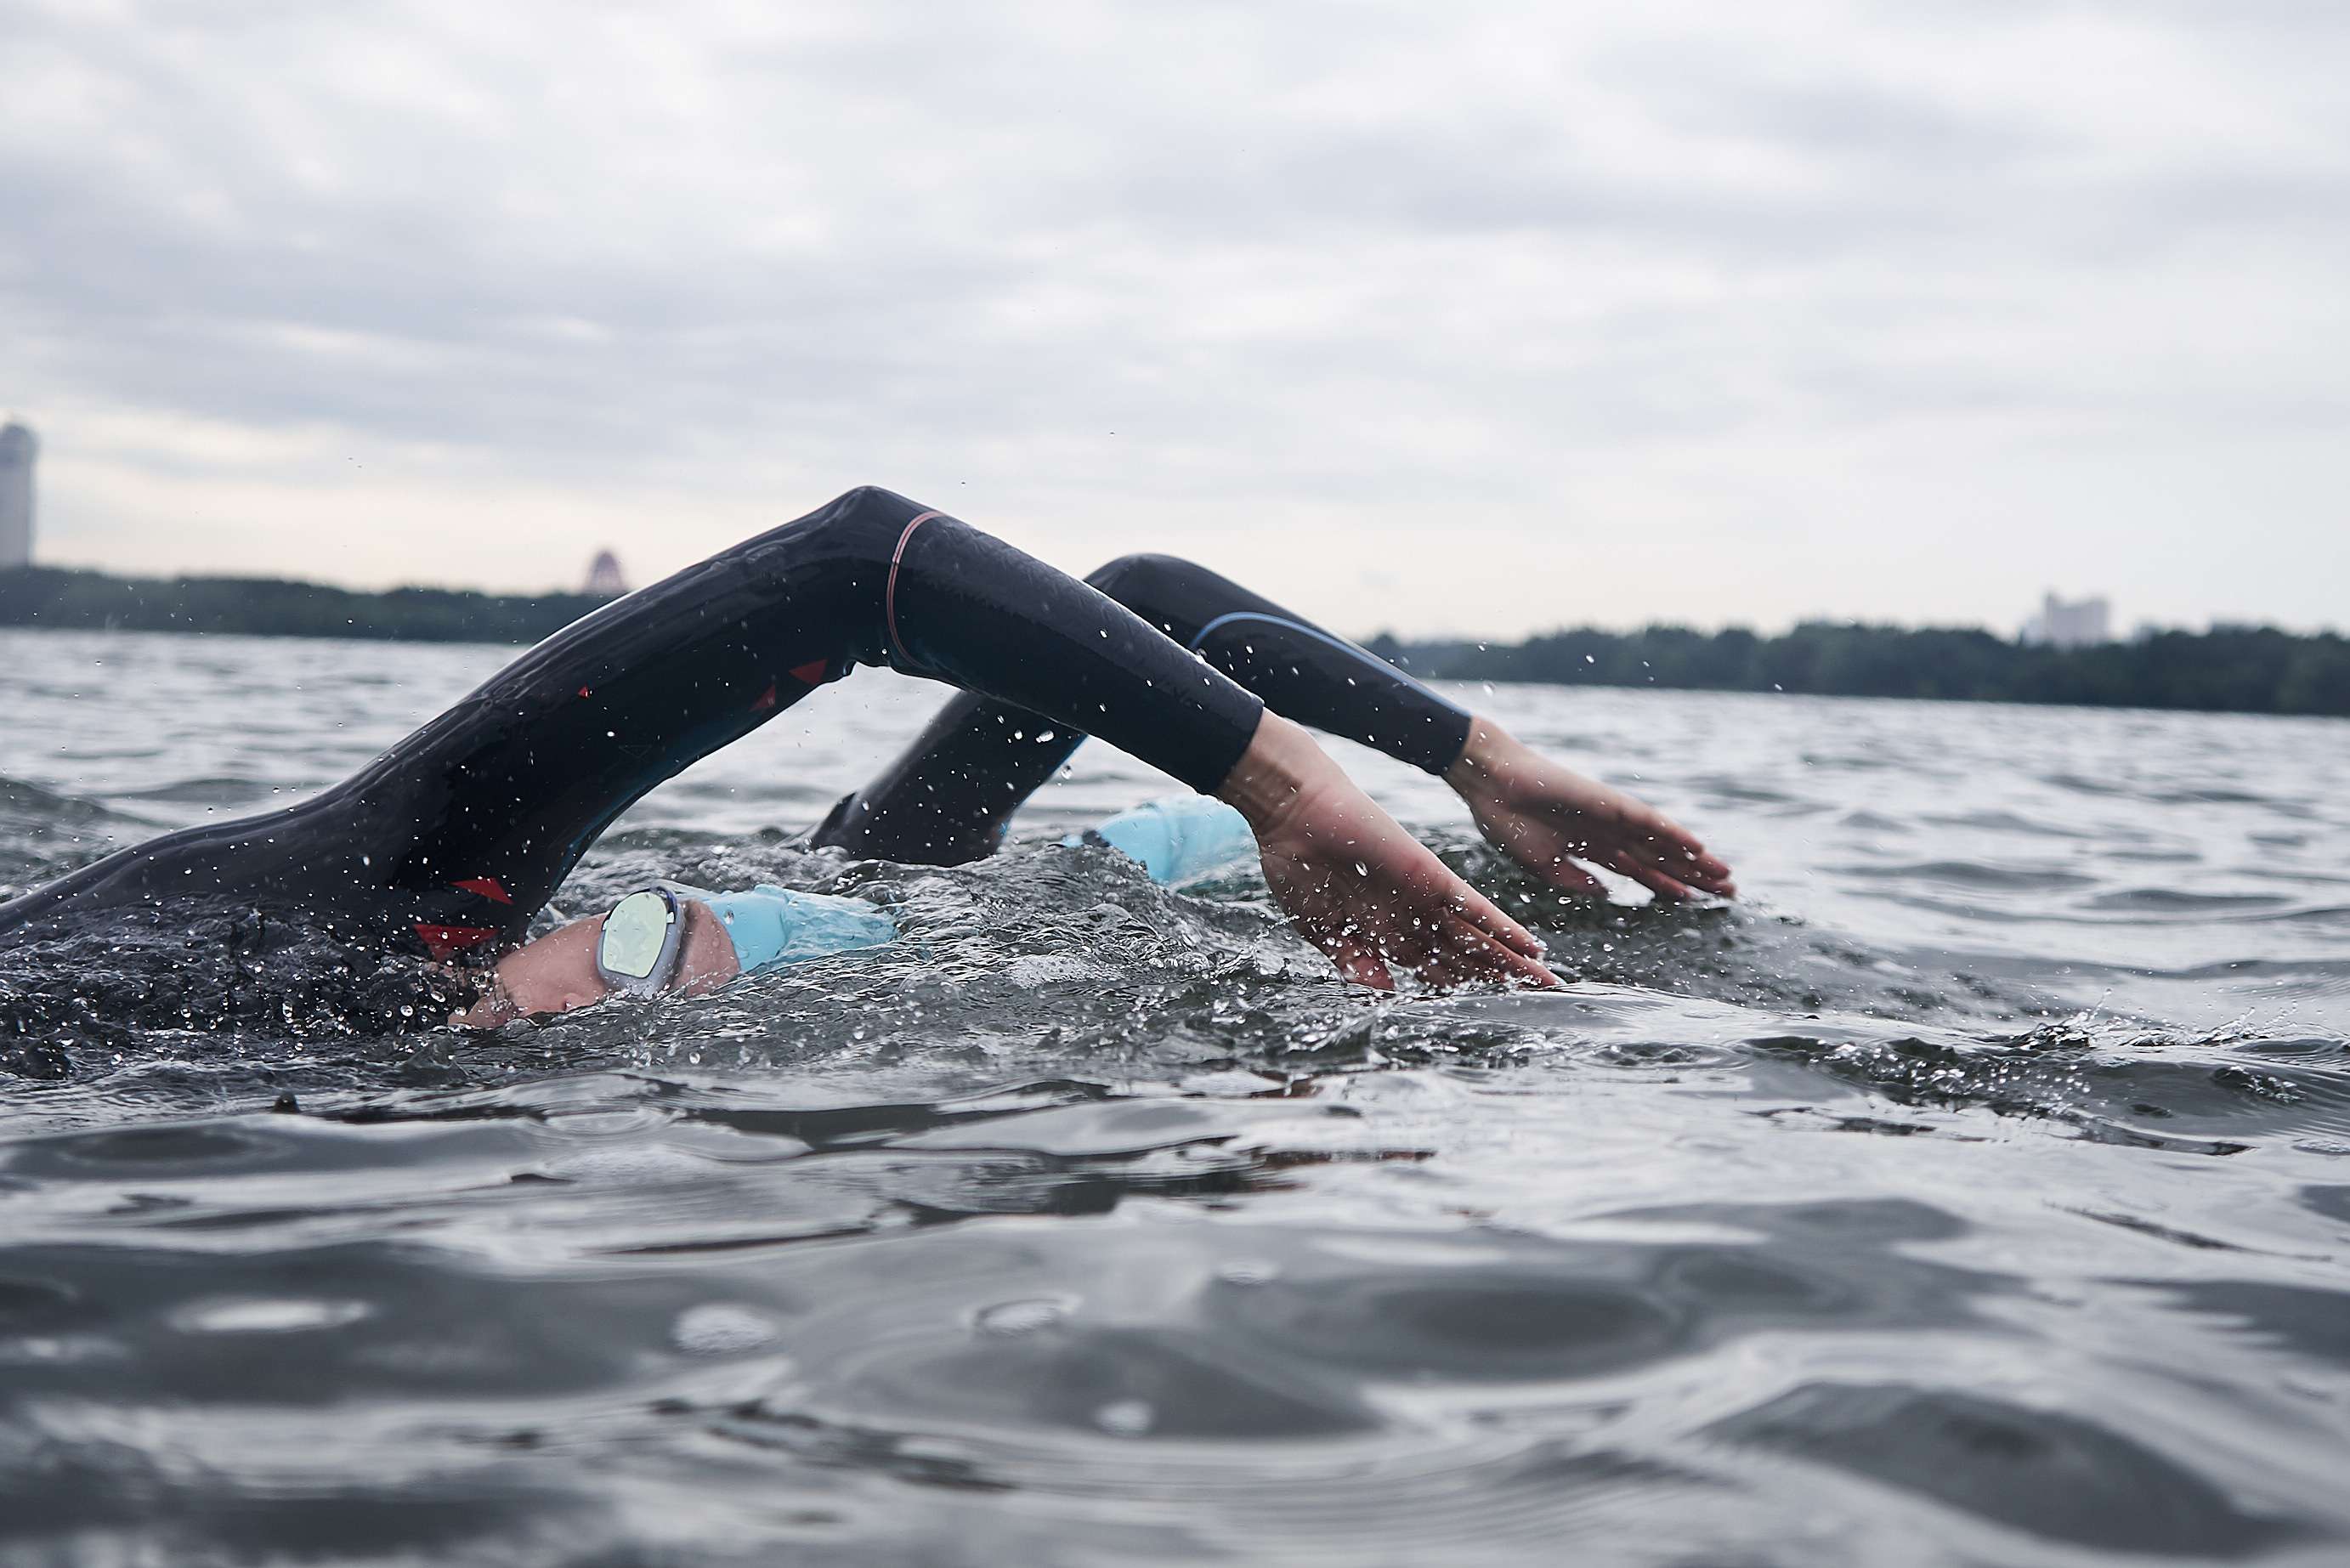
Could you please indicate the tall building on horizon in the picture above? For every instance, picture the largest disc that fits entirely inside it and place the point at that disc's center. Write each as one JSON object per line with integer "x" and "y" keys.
{"x": 604, "y": 575}
{"x": 2077, "y": 623}
{"x": 18, "y": 449}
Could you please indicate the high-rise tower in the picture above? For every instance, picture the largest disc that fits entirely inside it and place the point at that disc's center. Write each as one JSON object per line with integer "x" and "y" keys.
{"x": 18, "y": 451}
{"x": 603, "y": 576}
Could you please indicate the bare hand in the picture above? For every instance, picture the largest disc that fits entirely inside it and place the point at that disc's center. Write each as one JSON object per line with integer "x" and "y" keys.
{"x": 1357, "y": 885}
{"x": 1546, "y": 816}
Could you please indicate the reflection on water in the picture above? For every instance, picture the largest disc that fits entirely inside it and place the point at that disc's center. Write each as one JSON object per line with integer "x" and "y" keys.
{"x": 1975, "y": 1192}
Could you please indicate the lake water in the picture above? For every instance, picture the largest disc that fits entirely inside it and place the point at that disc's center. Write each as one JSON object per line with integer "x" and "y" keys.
{"x": 1976, "y": 1190}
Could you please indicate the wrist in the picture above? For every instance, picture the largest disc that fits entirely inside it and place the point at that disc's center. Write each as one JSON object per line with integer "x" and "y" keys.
{"x": 1488, "y": 756}
{"x": 1281, "y": 761}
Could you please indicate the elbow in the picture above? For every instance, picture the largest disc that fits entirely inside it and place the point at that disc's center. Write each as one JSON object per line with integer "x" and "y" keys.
{"x": 867, "y": 503}
{"x": 860, "y": 525}
{"x": 1147, "y": 585}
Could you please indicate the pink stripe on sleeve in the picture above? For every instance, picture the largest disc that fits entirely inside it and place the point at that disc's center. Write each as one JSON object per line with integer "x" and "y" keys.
{"x": 889, "y": 594}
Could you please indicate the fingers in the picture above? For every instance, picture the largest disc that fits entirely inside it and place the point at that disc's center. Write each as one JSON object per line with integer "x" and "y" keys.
{"x": 1610, "y": 830}
{"x": 1476, "y": 951}
{"x": 1514, "y": 966}
{"x": 1701, "y": 881}
{"x": 1647, "y": 871}
{"x": 1486, "y": 916}
{"x": 1347, "y": 946}
{"x": 1698, "y": 869}
{"x": 1441, "y": 943}
{"x": 1654, "y": 880}
{"x": 1461, "y": 953}
{"x": 1686, "y": 857}
{"x": 1661, "y": 847}
{"x": 1568, "y": 877}
{"x": 1368, "y": 895}
{"x": 1359, "y": 964}
{"x": 1708, "y": 864}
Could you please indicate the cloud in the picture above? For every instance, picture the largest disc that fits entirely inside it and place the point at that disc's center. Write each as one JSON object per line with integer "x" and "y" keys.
{"x": 1616, "y": 312}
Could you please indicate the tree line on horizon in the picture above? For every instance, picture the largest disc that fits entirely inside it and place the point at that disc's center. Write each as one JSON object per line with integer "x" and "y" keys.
{"x": 2230, "y": 669}
{"x": 65, "y": 598}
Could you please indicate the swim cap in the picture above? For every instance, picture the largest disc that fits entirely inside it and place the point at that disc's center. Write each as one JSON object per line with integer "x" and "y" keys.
{"x": 771, "y": 925}
{"x": 1180, "y": 840}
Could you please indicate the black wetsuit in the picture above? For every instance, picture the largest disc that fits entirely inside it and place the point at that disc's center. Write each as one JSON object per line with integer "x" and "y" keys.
{"x": 453, "y": 838}
{"x": 949, "y": 796}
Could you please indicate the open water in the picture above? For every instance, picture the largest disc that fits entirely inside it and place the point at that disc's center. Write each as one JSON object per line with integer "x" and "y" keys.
{"x": 1977, "y": 1190}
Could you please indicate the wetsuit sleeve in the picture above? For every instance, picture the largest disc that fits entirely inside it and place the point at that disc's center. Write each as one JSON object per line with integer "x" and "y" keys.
{"x": 515, "y": 782}
{"x": 1301, "y": 670}
{"x": 966, "y": 607}
{"x": 949, "y": 796}
{"x": 454, "y": 837}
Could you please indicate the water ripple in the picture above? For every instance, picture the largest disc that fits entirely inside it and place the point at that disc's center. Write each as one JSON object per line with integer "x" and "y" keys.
{"x": 1977, "y": 1190}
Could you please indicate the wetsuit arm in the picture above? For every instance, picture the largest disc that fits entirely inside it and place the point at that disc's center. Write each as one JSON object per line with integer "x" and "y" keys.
{"x": 966, "y": 607}
{"x": 948, "y": 797}
{"x": 466, "y": 829}
{"x": 450, "y": 841}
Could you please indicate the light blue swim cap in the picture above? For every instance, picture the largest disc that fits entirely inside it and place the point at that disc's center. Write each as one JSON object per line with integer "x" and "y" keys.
{"x": 1179, "y": 839}
{"x": 771, "y": 925}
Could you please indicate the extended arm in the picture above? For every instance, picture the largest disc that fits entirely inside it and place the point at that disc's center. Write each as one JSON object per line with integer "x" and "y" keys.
{"x": 455, "y": 837}
{"x": 949, "y": 795}
{"x": 502, "y": 793}
{"x": 551, "y": 748}
{"x": 947, "y": 799}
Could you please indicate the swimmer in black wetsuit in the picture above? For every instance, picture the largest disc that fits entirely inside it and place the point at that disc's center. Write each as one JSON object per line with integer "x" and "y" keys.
{"x": 449, "y": 843}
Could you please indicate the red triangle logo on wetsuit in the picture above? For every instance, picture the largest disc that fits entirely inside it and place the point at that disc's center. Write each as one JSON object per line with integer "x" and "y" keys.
{"x": 812, "y": 672}
{"x": 487, "y": 887}
{"x": 445, "y": 942}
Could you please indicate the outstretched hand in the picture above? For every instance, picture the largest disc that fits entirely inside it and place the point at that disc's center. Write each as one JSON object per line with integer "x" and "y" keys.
{"x": 1358, "y": 886}
{"x": 1546, "y": 817}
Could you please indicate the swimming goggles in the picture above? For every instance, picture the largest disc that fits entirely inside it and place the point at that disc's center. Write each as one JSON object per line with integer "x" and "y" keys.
{"x": 642, "y": 940}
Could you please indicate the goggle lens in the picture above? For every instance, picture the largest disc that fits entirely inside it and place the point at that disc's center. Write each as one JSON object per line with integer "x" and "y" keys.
{"x": 634, "y": 933}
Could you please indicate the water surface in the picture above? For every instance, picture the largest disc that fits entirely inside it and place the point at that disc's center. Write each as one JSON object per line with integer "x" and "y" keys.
{"x": 1974, "y": 1191}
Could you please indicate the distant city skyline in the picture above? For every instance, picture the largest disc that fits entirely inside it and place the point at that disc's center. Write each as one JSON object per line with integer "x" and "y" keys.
{"x": 1445, "y": 323}
{"x": 2059, "y": 622}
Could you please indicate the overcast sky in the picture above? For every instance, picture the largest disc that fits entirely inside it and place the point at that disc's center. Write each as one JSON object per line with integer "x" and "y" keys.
{"x": 1480, "y": 318}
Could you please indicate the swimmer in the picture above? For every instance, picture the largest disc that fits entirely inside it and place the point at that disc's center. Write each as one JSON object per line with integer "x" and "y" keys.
{"x": 451, "y": 842}
{"x": 672, "y": 938}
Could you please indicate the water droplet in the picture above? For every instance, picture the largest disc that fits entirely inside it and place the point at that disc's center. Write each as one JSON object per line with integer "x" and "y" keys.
{"x": 250, "y": 1314}
{"x": 1010, "y": 1318}
{"x": 723, "y": 1328}
{"x": 1126, "y": 1418}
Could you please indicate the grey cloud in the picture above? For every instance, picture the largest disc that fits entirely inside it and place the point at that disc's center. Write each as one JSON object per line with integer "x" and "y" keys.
{"x": 1260, "y": 243}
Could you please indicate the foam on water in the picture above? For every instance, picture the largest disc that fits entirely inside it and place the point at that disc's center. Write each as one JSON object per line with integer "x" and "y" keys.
{"x": 1976, "y": 1191}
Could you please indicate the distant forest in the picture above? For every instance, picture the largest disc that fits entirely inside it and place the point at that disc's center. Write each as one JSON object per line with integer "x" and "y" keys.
{"x": 2247, "y": 669}
{"x": 2230, "y": 669}
{"x": 267, "y": 606}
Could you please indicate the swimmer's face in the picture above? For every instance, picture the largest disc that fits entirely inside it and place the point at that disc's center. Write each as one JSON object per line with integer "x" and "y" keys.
{"x": 557, "y": 972}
